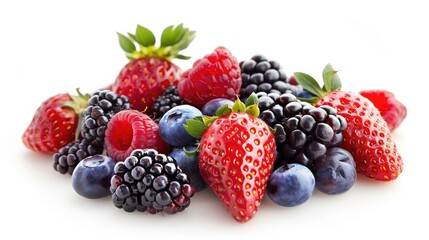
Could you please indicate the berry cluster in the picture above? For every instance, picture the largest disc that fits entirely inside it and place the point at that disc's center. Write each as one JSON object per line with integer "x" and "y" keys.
{"x": 157, "y": 135}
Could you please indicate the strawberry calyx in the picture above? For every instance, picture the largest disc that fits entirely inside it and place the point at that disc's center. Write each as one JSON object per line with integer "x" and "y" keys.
{"x": 331, "y": 82}
{"x": 78, "y": 103}
{"x": 173, "y": 40}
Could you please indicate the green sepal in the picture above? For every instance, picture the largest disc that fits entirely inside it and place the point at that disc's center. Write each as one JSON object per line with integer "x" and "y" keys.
{"x": 193, "y": 152}
{"x": 182, "y": 57}
{"x": 223, "y": 110}
{"x": 253, "y": 110}
{"x": 238, "y": 106}
{"x": 207, "y": 120}
{"x": 309, "y": 83}
{"x": 126, "y": 44}
{"x": 195, "y": 127}
{"x": 78, "y": 104}
{"x": 251, "y": 100}
{"x": 144, "y": 36}
{"x": 331, "y": 80}
{"x": 312, "y": 100}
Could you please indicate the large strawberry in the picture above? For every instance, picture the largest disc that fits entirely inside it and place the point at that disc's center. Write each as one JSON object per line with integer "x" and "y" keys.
{"x": 236, "y": 156}
{"x": 55, "y": 122}
{"x": 150, "y": 70}
{"x": 216, "y": 75}
{"x": 367, "y": 136}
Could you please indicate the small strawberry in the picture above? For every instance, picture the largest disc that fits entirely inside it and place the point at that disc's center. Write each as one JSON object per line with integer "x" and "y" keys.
{"x": 367, "y": 136}
{"x": 150, "y": 70}
{"x": 392, "y": 110}
{"x": 129, "y": 130}
{"x": 55, "y": 123}
{"x": 236, "y": 156}
{"x": 217, "y": 75}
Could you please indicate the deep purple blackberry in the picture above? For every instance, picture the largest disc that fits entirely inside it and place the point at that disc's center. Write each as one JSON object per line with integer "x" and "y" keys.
{"x": 259, "y": 74}
{"x": 66, "y": 159}
{"x": 102, "y": 105}
{"x": 303, "y": 132}
{"x": 166, "y": 101}
{"x": 149, "y": 181}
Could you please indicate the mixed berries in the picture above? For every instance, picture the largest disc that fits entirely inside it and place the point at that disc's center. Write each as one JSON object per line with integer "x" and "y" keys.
{"x": 157, "y": 135}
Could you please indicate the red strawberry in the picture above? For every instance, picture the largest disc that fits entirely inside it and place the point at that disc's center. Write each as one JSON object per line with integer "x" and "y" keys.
{"x": 392, "y": 110}
{"x": 236, "y": 157}
{"x": 150, "y": 70}
{"x": 217, "y": 75}
{"x": 367, "y": 136}
{"x": 54, "y": 123}
{"x": 129, "y": 130}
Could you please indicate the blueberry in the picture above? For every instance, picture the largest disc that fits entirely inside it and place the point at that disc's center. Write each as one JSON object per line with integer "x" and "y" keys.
{"x": 335, "y": 173}
{"x": 171, "y": 125}
{"x": 189, "y": 165}
{"x": 91, "y": 177}
{"x": 211, "y": 106}
{"x": 291, "y": 185}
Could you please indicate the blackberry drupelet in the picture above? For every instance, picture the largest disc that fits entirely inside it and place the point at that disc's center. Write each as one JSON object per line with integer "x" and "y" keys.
{"x": 262, "y": 75}
{"x": 102, "y": 105}
{"x": 166, "y": 101}
{"x": 66, "y": 159}
{"x": 303, "y": 132}
{"x": 149, "y": 181}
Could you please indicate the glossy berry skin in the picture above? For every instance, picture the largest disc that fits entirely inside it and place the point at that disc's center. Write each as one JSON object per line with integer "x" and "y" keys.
{"x": 335, "y": 173}
{"x": 391, "y": 109}
{"x": 291, "y": 185}
{"x": 216, "y": 75}
{"x": 129, "y": 130}
{"x": 53, "y": 125}
{"x": 150, "y": 181}
{"x": 91, "y": 177}
{"x": 167, "y": 100}
{"x": 171, "y": 125}
{"x": 189, "y": 165}
{"x": 144, "y": 79}
{"x": 367, "y": 136}
{"x": 236, "y": 158}
{"x": 210, "y": 107}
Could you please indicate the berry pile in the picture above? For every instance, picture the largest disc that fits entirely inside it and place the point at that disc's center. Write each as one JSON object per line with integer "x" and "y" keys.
{"x": 157, "y": 135}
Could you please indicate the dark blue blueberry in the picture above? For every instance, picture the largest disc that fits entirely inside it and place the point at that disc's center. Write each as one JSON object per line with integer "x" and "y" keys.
{"x": 211, "y": 106}
{"x": 335, "y": 173}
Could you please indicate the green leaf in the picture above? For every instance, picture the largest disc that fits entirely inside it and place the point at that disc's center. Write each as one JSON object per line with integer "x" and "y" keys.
{"x": 253, "y": 110}
{"x": 166, "y": 36}
{"x": 132, "y": 36}
{"x": 238, "y": 106}
{"x": 225, "y": 109}
{"x": 331, "y": 79}
{"x": 182, "y": 57}
{"x": 309, "y": 83}
{"x": 126, "y": 44}
{"x": 144, "y": 36}
{"x": 192, "y": 152}
{"x": 195, "y": 128}
{"x": 312, "y": 100}
{"x": 251, "y": 100}
{"x": 208, "y": 120}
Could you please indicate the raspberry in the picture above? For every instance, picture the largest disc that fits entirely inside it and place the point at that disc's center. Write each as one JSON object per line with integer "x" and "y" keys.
{"x": 149, "y": 181}
{"x": 129, "y": 130}
{"x": 169, "y": 99}
{"x": 259, "y": 74}
{"x": 303, "y": 132}
{"x": 217, "y": 75}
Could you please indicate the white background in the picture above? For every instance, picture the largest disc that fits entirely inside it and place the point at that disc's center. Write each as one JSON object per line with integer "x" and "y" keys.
{"x": 49, "y": 47}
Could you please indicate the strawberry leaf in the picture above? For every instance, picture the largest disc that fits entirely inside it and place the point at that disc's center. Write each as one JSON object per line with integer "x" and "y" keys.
{"x": 312, "y": 100}
{"x": 126, "y": 44}
{"x": 167, "y": 36}
{"x": 253, "y": 110}
{"x": 238, "y": 106}
{"x": 144, "y": 36}
{"x": 330, "y": 79}
{"x": 191, "y": 152}
{"x": 195, "y": 127}
{"x": 208, "y": 120}
{"x": 309, "y": 83}
{"x": 251, "y": 100}
{"x": 225, "y": 109}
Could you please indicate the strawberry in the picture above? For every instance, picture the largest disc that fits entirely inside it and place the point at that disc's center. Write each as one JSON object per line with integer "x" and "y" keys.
{"x": 217, "y": 75}
{"x": 367, "y": 136}
{"x": 150, "y": 70}
{"x": 55, "y": 122}
{"x": 392, "y": 110}
{"x": 236, "y": 156}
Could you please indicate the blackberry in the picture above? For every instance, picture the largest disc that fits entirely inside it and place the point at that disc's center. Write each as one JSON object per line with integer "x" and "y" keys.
{"x": 102, "y": 105}
{"x": 149, "y": 181}
{"x": 166, "y": 101}
{"x": 66, "y": 159}
{"x": 262, "y": 75}
{"x": 303, "y": 132}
